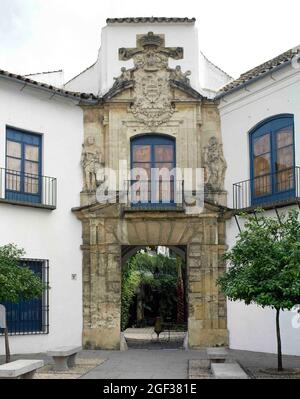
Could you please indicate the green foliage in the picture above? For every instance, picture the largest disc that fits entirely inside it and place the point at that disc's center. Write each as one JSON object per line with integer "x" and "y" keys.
{"x": 17, "y": 283}
{"x": 141, "y": 270}
{"x": 265, "y": 263}
{"x": 130, "y": 281}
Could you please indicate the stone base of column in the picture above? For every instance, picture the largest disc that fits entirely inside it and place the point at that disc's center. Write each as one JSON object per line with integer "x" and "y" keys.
{"x": 202, "y": 338}
{"x": 101, "y": 338}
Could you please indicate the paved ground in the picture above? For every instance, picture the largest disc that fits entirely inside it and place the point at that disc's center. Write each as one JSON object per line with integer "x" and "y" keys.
{"x": 146, "y": 338}
{"x": 158, "y": 364}
{"x": 144, "y": 364}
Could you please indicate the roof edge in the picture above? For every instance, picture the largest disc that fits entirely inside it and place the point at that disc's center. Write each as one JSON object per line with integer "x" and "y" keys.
{"x": 250, "y": 81}
{"x": 136, "y": 20}
{"x": 81, "y": 97}
{"x": 260, "y": 71}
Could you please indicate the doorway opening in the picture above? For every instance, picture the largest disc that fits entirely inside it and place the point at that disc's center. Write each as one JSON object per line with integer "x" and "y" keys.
{"x": 154, "y": 302}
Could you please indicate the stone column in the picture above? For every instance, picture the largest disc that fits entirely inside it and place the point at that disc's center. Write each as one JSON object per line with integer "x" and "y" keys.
{"x": 207, "y": 307}
{"x": 101, "y": 290}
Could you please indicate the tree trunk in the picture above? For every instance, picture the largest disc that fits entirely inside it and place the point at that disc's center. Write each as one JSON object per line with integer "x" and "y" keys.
{"x": 140, "y": 306}
{"x": 180, "y": 294}
{"x": 7, "y": 351}
{"x": 279, "y": 352}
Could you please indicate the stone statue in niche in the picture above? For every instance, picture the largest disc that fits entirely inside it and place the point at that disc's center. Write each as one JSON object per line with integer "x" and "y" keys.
{"x": 179, "y": 76}
{"x": 91, "y": 161}
{"x": 215, "y": 165}
{"x": 124, "y": 77}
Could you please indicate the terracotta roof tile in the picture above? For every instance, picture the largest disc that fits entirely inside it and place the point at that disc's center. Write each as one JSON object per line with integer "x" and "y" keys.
{"x": 260, "y": 71}
{"x": 149, "y": 20}
{"x": 53, "y": 89}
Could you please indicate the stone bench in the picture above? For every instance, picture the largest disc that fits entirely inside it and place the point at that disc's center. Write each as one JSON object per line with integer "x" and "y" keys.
{"x": 20, "y": 369}
{"x": 230, "y": 371}
{"x": 217, "y": 355}
{"x": 64, "y": 357}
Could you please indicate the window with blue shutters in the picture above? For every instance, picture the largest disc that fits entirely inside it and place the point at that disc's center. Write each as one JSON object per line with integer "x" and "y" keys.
{"x": 23, "y": 166}
{"x": 153, "y": 154}
{"x": 30, "y": 317}
{"x": 272, "y": 156}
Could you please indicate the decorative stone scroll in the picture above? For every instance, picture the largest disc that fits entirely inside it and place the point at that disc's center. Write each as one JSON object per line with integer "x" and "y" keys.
{"x": 151, "y": 74}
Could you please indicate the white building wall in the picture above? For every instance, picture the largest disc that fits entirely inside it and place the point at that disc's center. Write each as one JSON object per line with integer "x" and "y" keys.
{"x": 211, "y": 77}
{"x": 53, "y": 235}
{"x": 253, "y": 328}
{"x": 85, "y": 82}
{"x": 99, "y": 78}
{"x": 55, "y": 78}
{"x": 116, "y": 36}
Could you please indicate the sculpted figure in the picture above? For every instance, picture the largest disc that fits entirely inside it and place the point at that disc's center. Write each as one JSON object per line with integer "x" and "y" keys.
{"x": 215, "y": 165}
{"x": 177, "y": 74}
{"x": 91, "y": 163}
{"x": 124, "y": 77}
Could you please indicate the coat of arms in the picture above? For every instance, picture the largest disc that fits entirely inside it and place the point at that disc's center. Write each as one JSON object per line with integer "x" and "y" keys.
{"x": 152, "y": 102}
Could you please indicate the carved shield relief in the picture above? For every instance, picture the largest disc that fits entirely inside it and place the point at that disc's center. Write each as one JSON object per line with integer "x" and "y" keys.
{"x": 152, "y": 104}
{"x": 151, "y": 75}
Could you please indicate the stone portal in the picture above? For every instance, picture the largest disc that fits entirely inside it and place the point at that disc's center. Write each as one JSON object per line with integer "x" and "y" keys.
{"x": 106, "y": 230}
{"x": 152, "y": 98}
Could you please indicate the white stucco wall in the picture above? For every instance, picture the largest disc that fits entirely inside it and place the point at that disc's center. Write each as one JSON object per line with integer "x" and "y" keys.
{"x": 86, "y": 82}
{"x": 55, "y": 78}
{"x": 53, "y": 235}
{"x": 211, "y": 77}
{"x": 100, "y": 77}
{"x": 252, "y": 328}
{"x": 116, "y": 36}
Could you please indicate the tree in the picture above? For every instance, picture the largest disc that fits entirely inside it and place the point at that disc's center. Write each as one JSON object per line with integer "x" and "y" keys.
{"x": 16, "y": 283}
{"x": 154, "y": 279}
{"x": 265, "y": 265}
{"x": 180, "y": 293}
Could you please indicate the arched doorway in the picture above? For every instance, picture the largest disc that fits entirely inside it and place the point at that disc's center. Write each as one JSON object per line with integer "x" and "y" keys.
{"x": 107, "y": 230}
{"x": 154, "y": 311}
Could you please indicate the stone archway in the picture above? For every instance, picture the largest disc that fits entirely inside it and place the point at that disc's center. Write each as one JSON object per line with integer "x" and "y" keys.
{"x": 107, "y": 228}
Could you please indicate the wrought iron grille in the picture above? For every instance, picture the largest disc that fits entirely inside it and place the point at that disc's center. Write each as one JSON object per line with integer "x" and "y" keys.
{"x": 30, "y": 317}
{"x": 155, "y": 194}
{"x": 27, "y": 188}
{"x": 283, "y": 185}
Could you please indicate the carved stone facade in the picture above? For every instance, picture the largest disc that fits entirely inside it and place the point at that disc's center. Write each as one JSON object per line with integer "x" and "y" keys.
{"x": 105, "y": 231}
{"x": 149, "y": 98}
{"x": 215, "y": 165}
{"x": 152, "y": 95}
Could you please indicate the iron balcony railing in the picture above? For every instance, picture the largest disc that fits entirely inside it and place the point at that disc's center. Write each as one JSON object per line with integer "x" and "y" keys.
{"x": 164, "y": 194}
{"x": 282, "y": 186}
{"x": 28, "y": 189}
{"x": 145, "y": 194}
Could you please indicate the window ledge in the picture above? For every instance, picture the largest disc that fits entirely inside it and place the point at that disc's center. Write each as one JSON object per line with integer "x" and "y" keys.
{"x": 27, "y": 204}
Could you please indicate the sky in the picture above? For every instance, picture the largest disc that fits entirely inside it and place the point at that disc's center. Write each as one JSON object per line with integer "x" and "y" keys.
{"x": 46, "y": 35}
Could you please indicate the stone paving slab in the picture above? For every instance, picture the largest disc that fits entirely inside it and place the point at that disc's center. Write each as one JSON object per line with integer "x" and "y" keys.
{"x": 232, "y": 371}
